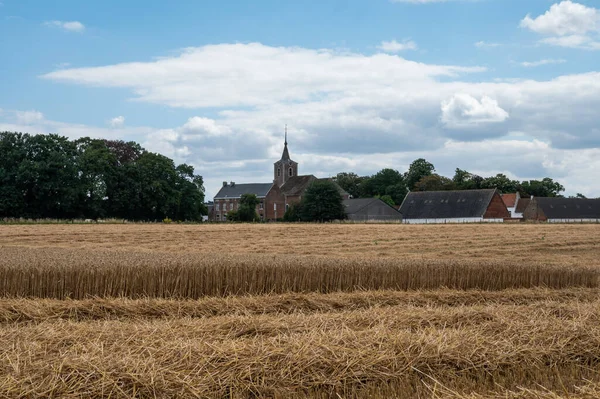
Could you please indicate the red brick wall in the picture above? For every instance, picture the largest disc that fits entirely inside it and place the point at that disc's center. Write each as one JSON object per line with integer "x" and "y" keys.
{"x": 274, "y": 197}
{"x": 496, "y": 209}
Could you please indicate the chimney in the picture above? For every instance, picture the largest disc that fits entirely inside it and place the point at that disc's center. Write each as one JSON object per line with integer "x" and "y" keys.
{"x": 232, "y": 184}
{"x": 224, "y": 184}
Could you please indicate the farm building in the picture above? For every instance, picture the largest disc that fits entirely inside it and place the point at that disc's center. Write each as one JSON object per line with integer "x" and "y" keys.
{"x": 563, "y": 210}
{"x": 468, "y": 206}
{"x": 371, "y": 210}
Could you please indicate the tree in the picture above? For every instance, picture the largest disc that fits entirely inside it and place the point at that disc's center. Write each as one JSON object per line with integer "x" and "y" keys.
{"x": 502, "y": 183}
{"x": 322, "y": 202}
{"x": 247, "y": 209}
{"x": 546, "y": 187}
{"x": 191, "y": 186}
{"x": 416, "y": 171}
{"x": 350, "y": 182}
{"x": 464, "y": 180}
{"x": 293, "y": 213}
{"x": 387, "y": 199}
{"x": 434, "y": 182}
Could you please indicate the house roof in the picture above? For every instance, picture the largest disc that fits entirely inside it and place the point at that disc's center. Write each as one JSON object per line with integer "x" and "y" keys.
{"x": 569, "y": 208}
{"x": 509, "y": 200}
{"x": 446, "y": 204}
{"x": 522, "y": 204}
{"x": 355, "y": 205}
{"x": 237, "y": 190}
{"x": 296, "y": 185}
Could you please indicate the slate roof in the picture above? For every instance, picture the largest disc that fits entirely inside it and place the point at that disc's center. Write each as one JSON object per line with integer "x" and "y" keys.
{"x": 237, "y": 190}
{"x": 296, "y": 185}
{"x": 355, "y": 205}
{"x": 522, "y": 204}
{"x": 509, "y": 200}
{"x": 446, "y": 204}
{"x": 569, "y": 208}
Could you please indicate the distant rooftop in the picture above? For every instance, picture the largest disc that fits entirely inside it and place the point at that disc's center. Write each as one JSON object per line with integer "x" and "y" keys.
{"x": 234, "y": 190}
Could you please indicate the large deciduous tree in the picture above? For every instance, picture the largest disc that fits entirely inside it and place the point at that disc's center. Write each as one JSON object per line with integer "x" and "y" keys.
{"x": 322, "y": 202}
{"x": 417, "y": 170}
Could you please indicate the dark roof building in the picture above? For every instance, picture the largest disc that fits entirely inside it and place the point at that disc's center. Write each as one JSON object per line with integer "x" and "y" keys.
{"x": 234, "y": 190}
{"x": 563, "y": 210}
{"x": 371, "y": 210}
{"x": 467, "y": 206}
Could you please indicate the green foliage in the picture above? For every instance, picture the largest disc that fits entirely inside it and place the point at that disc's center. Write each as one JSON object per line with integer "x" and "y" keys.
{"x": 167, "y": 221}
{"x": 502, "y": 183}
{"x": 293, "y": 213}
{"x": 418, "y": 170}
{"x": 542, "y": 188}
{"x": 233, "y": 216}
{"x": 247, "y": 209}
{"x": 350, "y": 182}
{"x": 464, "y": 180}
{"x": 50, "y": 177}
{"x": 387, "y": 199}
{"x": 435, "y": 182}
{"x": 322, "y": 202}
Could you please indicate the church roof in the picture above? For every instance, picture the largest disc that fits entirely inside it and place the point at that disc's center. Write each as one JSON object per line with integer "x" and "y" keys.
{"x": 297, "y": 184}
{"x": 237, "y": 190}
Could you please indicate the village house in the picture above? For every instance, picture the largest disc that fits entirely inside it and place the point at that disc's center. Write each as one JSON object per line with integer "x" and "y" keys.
{"x": 275, "y": 198}
{"x": 468, "y": 206}
{"x": 563, "y": 210}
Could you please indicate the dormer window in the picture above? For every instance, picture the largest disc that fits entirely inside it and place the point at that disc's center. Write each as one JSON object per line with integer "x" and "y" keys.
{"x": 291, "y": 172}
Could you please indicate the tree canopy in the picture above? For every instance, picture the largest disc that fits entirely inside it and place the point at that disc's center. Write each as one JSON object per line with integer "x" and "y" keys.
{"x": 322, "y": 202}
{"x": 49, "y": 176}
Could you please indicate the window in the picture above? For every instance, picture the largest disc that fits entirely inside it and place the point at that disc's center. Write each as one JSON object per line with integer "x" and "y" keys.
{"x": 291, "y": 172}
{"x": 218, "y": 206}
{"x": 287, "y": 206}
{"x": 231, "y": 206}
{"x": 260, "y": 206}
{"x": 278, "y": 172}
{"x": 274, "y": 207}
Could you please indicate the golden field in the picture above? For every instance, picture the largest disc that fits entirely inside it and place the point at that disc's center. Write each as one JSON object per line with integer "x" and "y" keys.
{"x": 246, "y": 311}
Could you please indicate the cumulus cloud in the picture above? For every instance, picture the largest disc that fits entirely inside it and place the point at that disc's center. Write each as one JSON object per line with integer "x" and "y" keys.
{"x": 462, "y": 110}
{"x": 567, "y": 24}
{"x": 117, "y": 121}
{"x": 395, "y": 47}
{"x": 68, "y": 26}
{"x": 28, "y": 117}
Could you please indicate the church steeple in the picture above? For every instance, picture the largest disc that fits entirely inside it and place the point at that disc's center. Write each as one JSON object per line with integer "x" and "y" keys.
{"x": 285, "y": 168}
{"x": 286, "y": 155}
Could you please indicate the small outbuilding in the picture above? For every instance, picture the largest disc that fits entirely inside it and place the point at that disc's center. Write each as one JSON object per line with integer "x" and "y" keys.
{"x": 371, "y": 210}
{"x": 563, "y": 210}
{"x": 466, "y": 206}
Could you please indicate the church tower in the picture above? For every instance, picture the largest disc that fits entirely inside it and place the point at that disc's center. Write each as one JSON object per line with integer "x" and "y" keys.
{"x": 285, "y": 168}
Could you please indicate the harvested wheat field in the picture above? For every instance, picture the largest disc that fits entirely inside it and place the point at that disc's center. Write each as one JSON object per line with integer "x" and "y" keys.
{"x": 300, "y": 311}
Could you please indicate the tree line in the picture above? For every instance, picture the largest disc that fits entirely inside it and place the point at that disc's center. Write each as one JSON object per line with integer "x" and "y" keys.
{"x": 392, "y": 186}
{"x": 49, "y": 176}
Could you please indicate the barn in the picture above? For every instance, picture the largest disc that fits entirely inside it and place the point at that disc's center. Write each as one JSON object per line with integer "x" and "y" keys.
{"x": 563, "y": 210}
{"x": 467, "y": 206}
{"x": 371, "y": 210}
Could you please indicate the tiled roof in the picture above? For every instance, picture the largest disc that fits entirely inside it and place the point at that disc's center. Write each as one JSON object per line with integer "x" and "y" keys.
{"x": 509, "y": 199}
{"x": 569, "y": 208}
{"x": 446, "y": 204}
{"x": 355, "y": 205}
{"x": 237, "y": 190}
{"x": 297, "y": 184}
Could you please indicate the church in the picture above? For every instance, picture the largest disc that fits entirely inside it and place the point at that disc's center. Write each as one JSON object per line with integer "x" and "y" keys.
{"x": 275, "y": 198}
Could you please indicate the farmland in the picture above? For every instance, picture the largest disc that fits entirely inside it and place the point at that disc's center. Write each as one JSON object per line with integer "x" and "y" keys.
{"x": 244, "y": 311}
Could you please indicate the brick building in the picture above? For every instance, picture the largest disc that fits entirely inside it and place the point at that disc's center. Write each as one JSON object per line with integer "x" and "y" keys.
{"x": 275, "y": 198}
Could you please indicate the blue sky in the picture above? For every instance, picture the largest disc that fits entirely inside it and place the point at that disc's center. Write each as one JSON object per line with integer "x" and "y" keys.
{"x": 492, "y": 86}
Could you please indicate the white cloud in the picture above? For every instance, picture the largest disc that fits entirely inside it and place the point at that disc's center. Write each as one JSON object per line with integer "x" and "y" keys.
{"x": 29, "y": 117}
{"x": 233, "y": 75}
{"x": 69, "y": 26}
{"x": 463, "y": 110}
{"x": 483, "y": 44}
{"x": 394, "y": 46}
{"x": 567, "y": 24}
{"x": 542, "y": 62}
{"x": 117, "y": 121}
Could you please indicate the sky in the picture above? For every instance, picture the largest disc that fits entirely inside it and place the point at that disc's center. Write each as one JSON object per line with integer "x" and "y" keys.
{"x": 490, "y": 86}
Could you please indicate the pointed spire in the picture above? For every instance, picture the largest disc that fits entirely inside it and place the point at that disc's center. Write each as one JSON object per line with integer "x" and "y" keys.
{"x": 286, "y": 155}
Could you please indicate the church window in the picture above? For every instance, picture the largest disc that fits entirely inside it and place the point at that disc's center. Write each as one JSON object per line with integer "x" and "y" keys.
{"x": 287, "y": 206}
{"x": 291, "y": 172}
{"x": 278, "y": 172}
{"x": 260, "y": 206}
